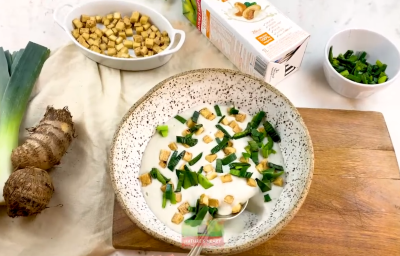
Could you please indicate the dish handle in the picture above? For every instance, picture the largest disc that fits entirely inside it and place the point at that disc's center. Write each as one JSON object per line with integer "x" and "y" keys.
{"x": 56, "y": 15}
{"x": 178, "y": 46}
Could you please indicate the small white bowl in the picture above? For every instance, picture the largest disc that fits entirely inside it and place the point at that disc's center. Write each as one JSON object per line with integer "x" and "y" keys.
{"x": 126, "y": 8}
{"x": 376, "y": 46}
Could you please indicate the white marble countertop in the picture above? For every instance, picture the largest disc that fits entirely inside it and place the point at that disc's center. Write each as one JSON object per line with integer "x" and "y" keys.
{"x": 24, "y": 20}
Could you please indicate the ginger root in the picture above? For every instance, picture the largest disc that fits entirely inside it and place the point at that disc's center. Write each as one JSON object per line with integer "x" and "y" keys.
{"x": 27, "y": 192}
{"x": 48, "y": 141}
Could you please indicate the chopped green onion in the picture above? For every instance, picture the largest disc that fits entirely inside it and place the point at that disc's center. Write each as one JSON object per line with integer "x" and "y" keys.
{"x": 220, "y": 145}
{"x": 213, "y": 211}
{"x": 233, "y": 111}
{"x": 193, "y": 178}
{"x": 195, "y": 116}
{"x": 201, "y": 170}
{"x": 247, "y": 148}
{"x": 271, "y": 174}
{"x": 220, "y": 120}
{"x": 256, "y": 120}
{"x": 164, "y": 200}
{"x": 180, "y": 119}
{"x": 173, "y": 198}
{"x": 195, "y": 128}
{"x": 246, "y": 155}
{"x": 229, "y": 159}
{"x": 219, "y": 127}
{"x": 275, "y": 166}
{"x": 164, "y": 133}
{"x": 330, "y": 55}
{"x": 271, "y": 132}
{"x": 267, "y": 198}
{"x": 174, "y": 160}
{"x": 241, "y": 165}
{"x": 192, "y": 208}
{"x": 168, "y": 191}
{"x": 162, "y": 128}
{"x": 240, "y": 135}
{"x": 218, "y": 166}
{"x": 254, "y": 157}
{"x": 155, "y": 173}
{"x": 202, "y": 213}
{"x": 263, "y": 185}
{"x": 196, "y": 159}
{"x": 253, "y": 146}
{"x": 181, "y": 178}
{"x": 256, "y": 135}
{"x": 188, "y": 140}
{"x": 204, "y": 182}
{"x": 217, "y": 110}
{"x": 218, "y": 140}
{"x": 235, "y": 172}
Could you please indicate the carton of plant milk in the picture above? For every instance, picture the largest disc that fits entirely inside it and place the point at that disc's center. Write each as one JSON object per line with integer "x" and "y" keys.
{"x": 257, "y": 38}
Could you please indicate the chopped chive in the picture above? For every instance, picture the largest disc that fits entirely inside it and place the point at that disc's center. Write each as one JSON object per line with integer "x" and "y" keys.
{"x": 168, "y": 191}
{"x": 267, "y": 198}
{"x": 213, "y": 211}
{"x": 218, "y": 166}
{"x": 181, "y": 178}
{"x": 162, "y": 128}
{"x": 218, "y": 140}
{"x": 217, "y": 110}
{"x": 201, "y": 170}
{"x": 246, "y": 155}
{"x": 204, "y": 182}
{"x": 271, "y": 174}
{"x": 275, "y": 166}
{"x": 247, "y": 148}
{"x": 180, "y": 119}
{"x": 253, "y": 146}
{"x": 196, "y": 159}
{"x": 240, "y": 135}
{"x": 202, "y": 213}
{"x": 264, "y": 186}
{"x": 219, "y": 127}
{"x": 155, "y": 173}
{"x": 172, "y": 161}
{"x": 195, "y": 116}
{"x": 195, "y": 128}
{"x": 256, "y": 120}
{"x": 235, "y": 172}
{"x": 220, "y": 145}
{"x": 173, "y": 198}
{"x": 192, "y": 176}
{"x": 271, "y": 132}
{"x": 248, "y": 175}
{"x": 188, "y": 140}
{"x": 233, "y": 111}
{"x": 220, "y": 120}
{"x": 229, "y": 159}
{"x": 164, "y": 200}
{"x": 254, "y": 157}
{"x": 241, "y": 165}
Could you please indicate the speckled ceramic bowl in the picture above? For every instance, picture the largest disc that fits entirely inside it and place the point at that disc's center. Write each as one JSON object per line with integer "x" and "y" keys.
{"x": 214, "y": 86}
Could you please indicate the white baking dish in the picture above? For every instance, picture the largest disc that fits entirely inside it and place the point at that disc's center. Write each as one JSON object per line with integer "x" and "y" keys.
{"x": 104, "y": 7}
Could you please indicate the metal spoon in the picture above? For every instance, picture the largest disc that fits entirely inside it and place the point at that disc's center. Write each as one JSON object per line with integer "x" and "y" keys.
{"x": 196, "y": 250}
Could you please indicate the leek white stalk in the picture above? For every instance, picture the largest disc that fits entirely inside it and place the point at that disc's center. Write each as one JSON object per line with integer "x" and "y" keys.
{"x": 15, "y": 99}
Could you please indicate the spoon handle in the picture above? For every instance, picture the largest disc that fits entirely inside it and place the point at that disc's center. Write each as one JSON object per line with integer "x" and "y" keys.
{"x": 196, "y": 250}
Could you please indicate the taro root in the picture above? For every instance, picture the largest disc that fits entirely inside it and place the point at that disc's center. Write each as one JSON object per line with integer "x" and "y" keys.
{"x": 47, "y": 142}
{"x": 27, "y": 192}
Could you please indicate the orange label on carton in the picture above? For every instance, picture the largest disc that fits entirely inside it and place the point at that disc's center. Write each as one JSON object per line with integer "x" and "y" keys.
{"x": 265, "y": 38}
{"x": 208, "y": 24}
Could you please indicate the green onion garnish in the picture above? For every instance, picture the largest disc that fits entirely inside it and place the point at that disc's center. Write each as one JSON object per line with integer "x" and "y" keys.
{"x": 246, "y": 155}
{"x": 218, "y": 166}
{"x": 220, "y": 120}
{"x": 275, "y": 166}
{"x": 256, "y": 120}
{"x": 204, "y": 182}
{"x": 201, "y": 170}
{"x": 156, "y": 174}
{"x": 193, "y": 178}
{"x": 162, "y": 128}
{"x": 253, "y": 146}
{"x": 196, "y": 159}
{"x": 267, "y": 198}
{"x": 164, "y": 200}
{"x": 188, "y": 140}
{"x": 195, "y": 128}
{"x": 180, "y": 119}
{"x": 271, "y": 174}
{"x": 195, "y": 116}
{"x": 254, "y": 157}
{"x": 192, "y": 208}
{"x": 233, "y": 111}
{"x": 217, "y": 110}
{"x": 272, "y": 132}
{"x": 213, "y": 211}
{"x": 173, "y": 198}
{"x": 263, "y": 185}
{"x": 219, "y": 127}
{"x": 229, "y": 159}
{"x": 202, "y": 213}
{"x": 220, "y": 145}
{"x": 181, "y": 178}
{"x": 174, "y": 160}
{"x": 240, "y": 135}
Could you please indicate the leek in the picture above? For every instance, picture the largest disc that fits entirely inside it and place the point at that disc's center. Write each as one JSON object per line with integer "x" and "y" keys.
{"x": 16, "y": 88}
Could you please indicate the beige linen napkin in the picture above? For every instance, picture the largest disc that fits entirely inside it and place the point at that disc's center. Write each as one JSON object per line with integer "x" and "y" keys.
{"x": 78, "y": 221}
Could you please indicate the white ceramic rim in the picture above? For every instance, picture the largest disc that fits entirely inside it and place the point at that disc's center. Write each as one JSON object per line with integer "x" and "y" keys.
{"x": 326, "y": 59}
{"x": 220, "y": 251}
{"x": 168, "y": 51}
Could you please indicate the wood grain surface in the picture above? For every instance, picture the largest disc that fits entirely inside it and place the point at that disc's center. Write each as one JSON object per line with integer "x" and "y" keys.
{"x": 353, "y": 207}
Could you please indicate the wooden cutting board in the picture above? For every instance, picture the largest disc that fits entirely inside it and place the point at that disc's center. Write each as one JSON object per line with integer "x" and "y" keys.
{"x": 353, "y": 207}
